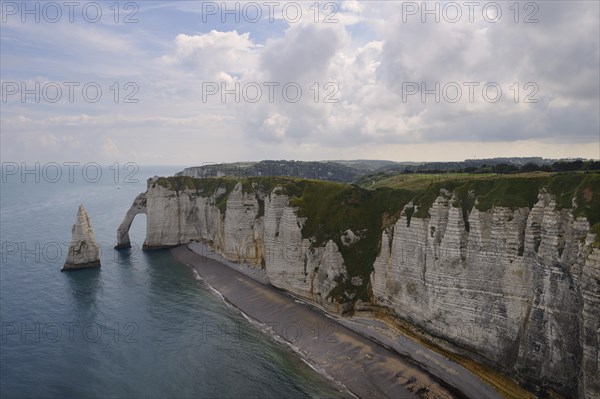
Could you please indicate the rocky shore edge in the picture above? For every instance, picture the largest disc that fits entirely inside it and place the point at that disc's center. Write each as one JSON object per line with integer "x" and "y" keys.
{"x": 360, "y": 353}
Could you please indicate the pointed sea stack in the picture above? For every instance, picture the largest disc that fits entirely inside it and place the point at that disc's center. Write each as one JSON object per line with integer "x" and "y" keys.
{"x": 84, "y": 251}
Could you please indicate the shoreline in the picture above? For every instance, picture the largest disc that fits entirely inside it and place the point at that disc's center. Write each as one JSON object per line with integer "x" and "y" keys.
{"x": 353, "y": 352}
{"x": 202, "y": 249}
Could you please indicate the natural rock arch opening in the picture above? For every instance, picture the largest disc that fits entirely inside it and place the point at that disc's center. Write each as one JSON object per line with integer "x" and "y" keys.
{"x": 137, "y": 230}
{"x": 138, "y": 206}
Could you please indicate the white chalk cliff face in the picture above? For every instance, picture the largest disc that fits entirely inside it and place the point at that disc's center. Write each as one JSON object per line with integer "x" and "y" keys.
{"x": 517, "y": 289}
{"x": 264, "y": 235}
{"x": 138, "y": 206}
{"x": 84, "y": 251}
{"x": 292, "y": 263}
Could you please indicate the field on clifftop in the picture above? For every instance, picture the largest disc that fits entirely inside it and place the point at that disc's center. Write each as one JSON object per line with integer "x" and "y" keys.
{"x": 330, "y": 209}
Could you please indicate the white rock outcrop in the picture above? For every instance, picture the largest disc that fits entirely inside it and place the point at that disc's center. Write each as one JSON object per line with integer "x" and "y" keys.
{"x": 84, "y": 251}
{"x": 292, "y": 263}
{"x": 517, "y": 289}
{"x": 138, "y": 206}
{"x": 257, "y": 228}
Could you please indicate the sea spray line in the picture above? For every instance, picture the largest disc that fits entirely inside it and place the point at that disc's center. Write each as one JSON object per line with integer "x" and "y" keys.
{"x": 268, "y": 330}
{"x": 385, "y": 372}
{"x": 268, "y": 325}
{"x": 196, "y": 275}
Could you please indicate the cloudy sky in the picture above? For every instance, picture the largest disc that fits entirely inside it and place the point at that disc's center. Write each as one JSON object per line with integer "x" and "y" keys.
{"x": 191, "y": 82}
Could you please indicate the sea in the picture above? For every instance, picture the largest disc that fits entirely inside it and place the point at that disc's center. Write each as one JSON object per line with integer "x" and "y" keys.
{"x": 141, "y": 326}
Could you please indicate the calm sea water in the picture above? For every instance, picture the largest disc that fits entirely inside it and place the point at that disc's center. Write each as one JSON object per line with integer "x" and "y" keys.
{"x": 141, "y": 326}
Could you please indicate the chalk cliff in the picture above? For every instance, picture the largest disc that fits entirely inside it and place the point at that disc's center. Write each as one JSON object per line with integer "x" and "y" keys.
{"x": 138, "y": 206}
{"x": 259, "y": 228}
{"x": 509, "y": 291}
{"x": 514, "y": 287}
{"x": 84, "y": 251}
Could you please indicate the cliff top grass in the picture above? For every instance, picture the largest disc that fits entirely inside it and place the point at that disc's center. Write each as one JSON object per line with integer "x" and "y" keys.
{"x": 332, "y": 208}
{"x": 205, "y": 187}
{"x": 417, "y": 181}
{"x": 518, "y": 192}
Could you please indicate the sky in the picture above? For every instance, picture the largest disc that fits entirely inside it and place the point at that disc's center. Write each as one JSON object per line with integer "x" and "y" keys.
{"x": 190, "y": 82}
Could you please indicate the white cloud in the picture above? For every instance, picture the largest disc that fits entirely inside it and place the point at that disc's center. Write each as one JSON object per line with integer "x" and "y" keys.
{"x": 214, "y": 55}
{"x": 276, "y": 124}
{"x": 366, "y": 58}
{"x": 304, "y": 53}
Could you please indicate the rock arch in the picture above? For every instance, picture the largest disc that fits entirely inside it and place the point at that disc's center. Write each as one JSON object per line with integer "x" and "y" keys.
{"x": 138, "y": 206}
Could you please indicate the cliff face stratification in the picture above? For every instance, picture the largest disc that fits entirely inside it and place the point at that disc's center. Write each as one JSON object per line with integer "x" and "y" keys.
{"x": 509, "y": 290}
{"x": 514, "y": 287}
{"x": 259, "y": 228}
{"x": 84, "y": 251}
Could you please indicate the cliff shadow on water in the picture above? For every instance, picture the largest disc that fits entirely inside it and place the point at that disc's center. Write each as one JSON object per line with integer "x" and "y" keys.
{"x": 502, "y": 270}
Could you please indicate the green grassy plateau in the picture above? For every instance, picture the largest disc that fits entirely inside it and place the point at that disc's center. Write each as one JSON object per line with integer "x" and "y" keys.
{"x": 372, "y": 205}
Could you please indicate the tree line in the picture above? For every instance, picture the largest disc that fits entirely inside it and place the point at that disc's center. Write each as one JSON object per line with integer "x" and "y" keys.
{"x": 506, "y": 168}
